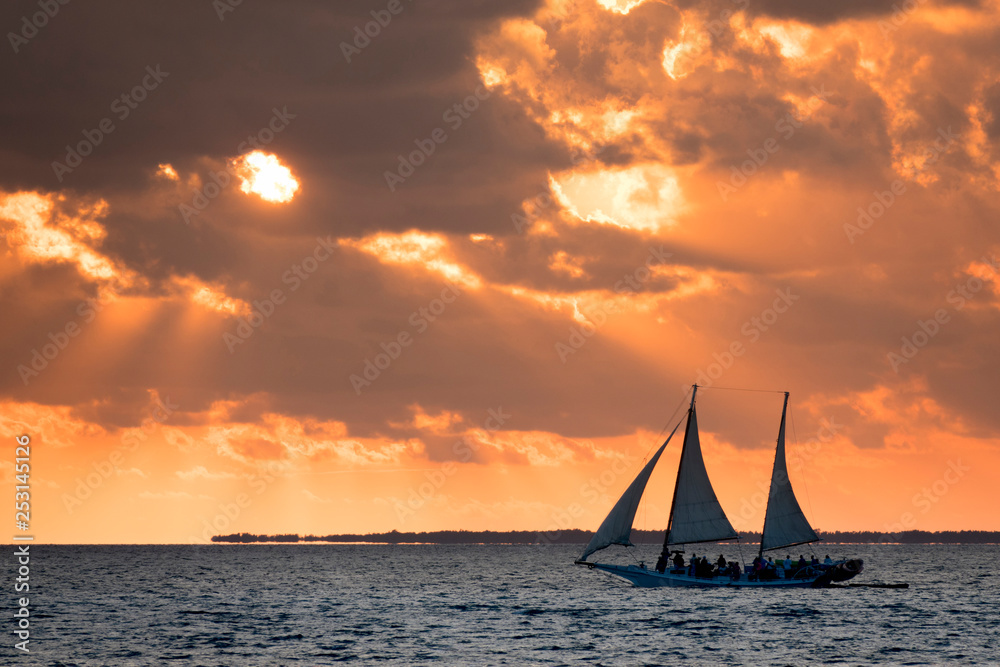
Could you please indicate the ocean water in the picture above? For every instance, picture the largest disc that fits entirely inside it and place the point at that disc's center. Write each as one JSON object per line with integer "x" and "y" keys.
{"x": 487, "y": 605}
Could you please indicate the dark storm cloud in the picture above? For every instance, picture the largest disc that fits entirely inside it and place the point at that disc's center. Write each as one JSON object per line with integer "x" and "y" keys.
{"x": 351, "y": 122}
{"x": 223, "y": 79}
{"x": 821, "y": 13}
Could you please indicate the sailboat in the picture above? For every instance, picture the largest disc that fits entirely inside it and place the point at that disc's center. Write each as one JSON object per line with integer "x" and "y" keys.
{"x": 696, "y": 517}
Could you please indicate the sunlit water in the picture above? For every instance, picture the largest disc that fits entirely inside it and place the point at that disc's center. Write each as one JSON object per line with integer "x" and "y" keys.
{"x": 322, "y": 604}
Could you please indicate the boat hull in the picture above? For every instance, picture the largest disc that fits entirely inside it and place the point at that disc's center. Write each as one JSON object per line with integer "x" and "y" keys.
{"x": 642, "y": 577}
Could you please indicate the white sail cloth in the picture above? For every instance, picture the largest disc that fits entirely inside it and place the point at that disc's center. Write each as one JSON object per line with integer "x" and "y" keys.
{"x": 696, "y": 515}
{"x": 617, "y": 526}
{"x": 784, "y": 523}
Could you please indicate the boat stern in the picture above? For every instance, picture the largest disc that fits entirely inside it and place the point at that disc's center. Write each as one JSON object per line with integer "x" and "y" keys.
{"x": 848, "y": 569}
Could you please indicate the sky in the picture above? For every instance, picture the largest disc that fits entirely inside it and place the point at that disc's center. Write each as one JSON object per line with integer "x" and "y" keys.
{"x": 416, "y": 265}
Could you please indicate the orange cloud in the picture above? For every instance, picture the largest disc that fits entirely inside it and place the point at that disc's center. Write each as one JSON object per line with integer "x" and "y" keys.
{"x": 42, "y": 235}
{"x": 415, "y": 248}
{"x": 212, "y": 297}
{"x": 642, "y": 197}
{"x": 167, "y": 172}
{"x": 612, "y": 125}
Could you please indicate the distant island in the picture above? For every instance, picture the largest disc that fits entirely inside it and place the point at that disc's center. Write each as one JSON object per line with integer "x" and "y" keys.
{"x": 583, "y": 536}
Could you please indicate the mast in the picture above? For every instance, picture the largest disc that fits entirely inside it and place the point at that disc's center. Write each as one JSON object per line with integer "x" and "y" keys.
{"x": 680, "y": 466}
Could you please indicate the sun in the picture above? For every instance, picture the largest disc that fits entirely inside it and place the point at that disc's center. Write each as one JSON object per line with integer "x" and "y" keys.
{"x": 263, "y": 174}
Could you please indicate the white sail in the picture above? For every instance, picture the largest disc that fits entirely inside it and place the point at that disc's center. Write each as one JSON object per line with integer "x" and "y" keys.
{"x": 696, "y": 515}
{"x": 784, "y": 523}
{"x": 617, "y": 526}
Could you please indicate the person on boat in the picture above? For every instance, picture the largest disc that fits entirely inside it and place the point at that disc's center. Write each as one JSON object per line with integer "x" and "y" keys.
{"x": 661, "y": 563}
{"x": 815, "y": 561}
{"x": 827, "y": 560}
{"x": 802, "y": 561}
{"x": 693, "y": 565}
{"x": 721, "y": 562}
{"x": 678, "y": 560}
{"x": 788, "y": 562}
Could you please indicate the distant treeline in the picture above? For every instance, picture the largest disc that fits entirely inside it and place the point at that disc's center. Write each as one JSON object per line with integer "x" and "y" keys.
{"x": 638, "y": 537}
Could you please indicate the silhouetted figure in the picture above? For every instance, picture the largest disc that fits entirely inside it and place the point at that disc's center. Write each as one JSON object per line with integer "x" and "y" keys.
{"x": 661, "y": 563}
{"x": 678, "y": 560}
{"x": 721, "y": 562}
{"x": 827, "y": 560}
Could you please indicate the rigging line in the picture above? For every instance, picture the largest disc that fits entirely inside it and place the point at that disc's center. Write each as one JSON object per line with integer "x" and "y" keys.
{"x": 676, "y": 410}
{"x": 634, "y": 553}
{"x": 645, "y": 458}
{"x": 765, "y": 391}
{"x": 659, "y": 436}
